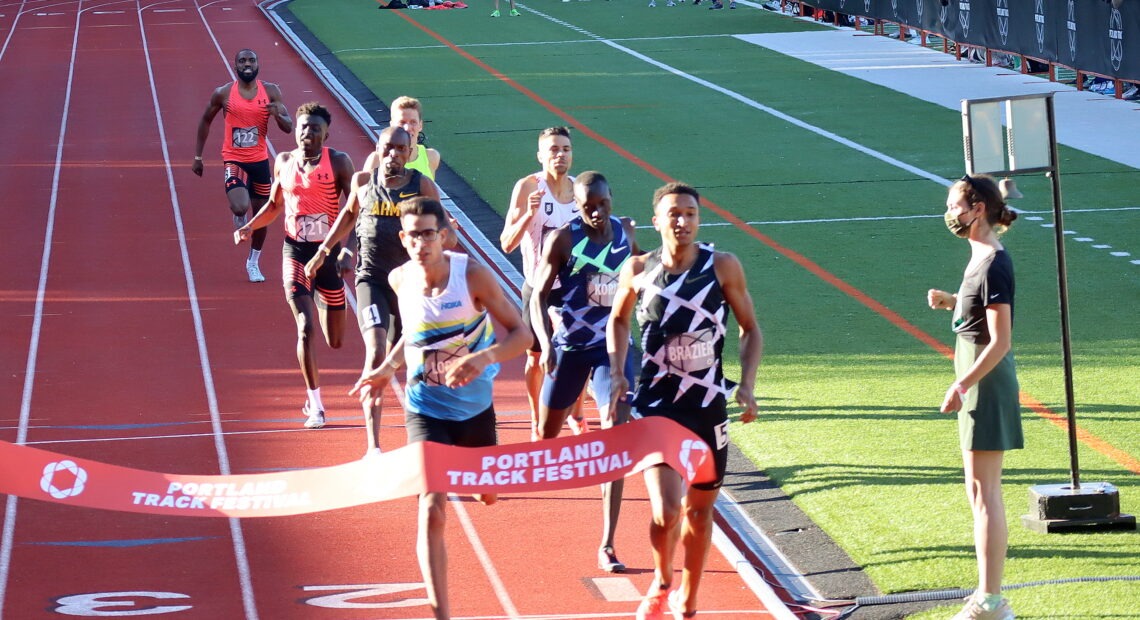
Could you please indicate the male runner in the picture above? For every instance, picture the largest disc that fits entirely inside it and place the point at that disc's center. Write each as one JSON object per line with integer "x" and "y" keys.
{"x": 407, "y": 112}
{"x": 310, "y": 182}
{"x": 248, "y": 103}
{"x": 372, "y": 209}
{"x": 540, "y": 203}
{"x": 684, "y": 287}
{"x": 585, "y": 255}
{"x": 447, "y": 303}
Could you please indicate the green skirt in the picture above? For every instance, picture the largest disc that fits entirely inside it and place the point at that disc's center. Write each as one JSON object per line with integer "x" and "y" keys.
{"x": 990, "y": 417}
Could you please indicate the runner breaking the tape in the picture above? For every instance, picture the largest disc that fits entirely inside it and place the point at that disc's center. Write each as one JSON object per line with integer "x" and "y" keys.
{"x": 684, "y": 287}
{"x": 447, "y": 303}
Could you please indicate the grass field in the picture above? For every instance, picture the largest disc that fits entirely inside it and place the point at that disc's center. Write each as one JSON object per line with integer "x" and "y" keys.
{"x": 849, "y": 426}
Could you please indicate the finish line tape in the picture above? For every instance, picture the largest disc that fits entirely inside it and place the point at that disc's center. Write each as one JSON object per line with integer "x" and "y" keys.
{"x": 423, "y": 467}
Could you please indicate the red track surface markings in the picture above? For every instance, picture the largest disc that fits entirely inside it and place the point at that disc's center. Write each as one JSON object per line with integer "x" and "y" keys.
{"x": 118, "y": 359}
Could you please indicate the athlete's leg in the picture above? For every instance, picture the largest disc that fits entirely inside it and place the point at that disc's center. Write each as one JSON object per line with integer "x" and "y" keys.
{"x": 991, "y": 535}
{"x": 696, "y": 538}
{"x": 332, "y": 320}
{"x": 533, "y": 375}
{"x": 611, "y": 491}
{"x": 432, "y": 553}
{"x": 375, "y": 349}
{"x": 305, "y": 313}
{"x": 665, "y": 488}
{"x": 560, "y": 390}
{"x": 257, "y": 240}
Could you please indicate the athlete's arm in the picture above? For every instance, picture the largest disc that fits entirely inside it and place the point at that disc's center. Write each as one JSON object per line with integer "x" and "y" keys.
{"x": 268, "y": 212}
{"x": 217, "y": 101}
{"x": 732, "y": 282}
{"x": 524, "y": 204}
{"x": 487, "y": 293}
{"x": 618, "y": 329}
{"x": 277, "y": 109}
{"x": 999, "y": 321}
{"x": 556, "y": 253}
{"x": 433, "y": 160}
{"x": 370, "y": 386}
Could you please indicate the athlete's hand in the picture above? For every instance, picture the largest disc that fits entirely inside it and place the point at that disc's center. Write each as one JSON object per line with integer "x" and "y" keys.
{"x": 533, "y": 201}
{"x": 618, "y": 389}
{"x": 370, "y": 386}
{"x": 314, "y": 265}
{"x": 242, "y": 234}
{"x": 547, "y": 361}
{"x": 345, "y": 265}
{"x": 747, "y": 401}
{"x": 952, "y": 401}
{"x": 466, "y": 369}
{"x": 939, "y": 300}
{"x": 196, "y": 167}
{"x": 276, "y": 108}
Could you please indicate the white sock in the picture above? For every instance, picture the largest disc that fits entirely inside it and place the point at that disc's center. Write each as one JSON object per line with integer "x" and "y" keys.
{"x": 990, "y": 602}
{"x": 254, "y": 255}
{"x": 315, "y": 400}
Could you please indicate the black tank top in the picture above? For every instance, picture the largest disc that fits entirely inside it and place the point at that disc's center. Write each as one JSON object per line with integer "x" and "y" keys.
{"x": 683, "y": 323}
{"x": 378, "y": 226}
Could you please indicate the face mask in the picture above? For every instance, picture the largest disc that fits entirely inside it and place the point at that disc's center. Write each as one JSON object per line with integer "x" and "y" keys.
{"x": 956, "y": 227}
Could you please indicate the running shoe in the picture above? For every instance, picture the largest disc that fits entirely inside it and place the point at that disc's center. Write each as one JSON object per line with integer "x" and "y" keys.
{"x": 671, "y": 3}
{"x": 716, "y": 6}
{"x": 677, "y": 605}
{"x": 578, "y": 425}
{"x": 656, "y": 606}
{"x": 254, "y": 272}
{"x": 607, "y": 561}
{"x": 495, "y": 13}
{"x": 696, "y": 2}
{"x": 653, "y": 4}
{"x": 515, "y": 13}
{"x": 973, "y": 610}
{"x": 732, "y": 5}
{"x": 314, "y": 419}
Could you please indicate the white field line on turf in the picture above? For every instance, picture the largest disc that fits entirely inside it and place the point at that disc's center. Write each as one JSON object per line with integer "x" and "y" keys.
{"x": 241, "y": 557}
{"x": 8, "y": 535}
{"x": 752, "y": 103}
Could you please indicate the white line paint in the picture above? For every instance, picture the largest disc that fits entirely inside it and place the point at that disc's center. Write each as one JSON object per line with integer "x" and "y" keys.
{"x": 616, "y": 589}
{"x": 240, "y": 552}
{"x": 7, "y": 537}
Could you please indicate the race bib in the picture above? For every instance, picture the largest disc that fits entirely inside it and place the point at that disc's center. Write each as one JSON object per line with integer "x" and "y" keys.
{"x": 312, "y": 227}
{"x": 690, "y": 352}
{"x": 438, "y": 361}
{"x": 244, "y": 137}
{"x": 600, "y": 288}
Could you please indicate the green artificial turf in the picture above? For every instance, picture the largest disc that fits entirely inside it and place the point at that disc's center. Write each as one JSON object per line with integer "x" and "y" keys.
{"x": 849, "y": 425}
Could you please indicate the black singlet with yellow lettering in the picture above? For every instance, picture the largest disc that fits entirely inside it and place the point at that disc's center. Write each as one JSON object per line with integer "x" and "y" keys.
{"x": 378, "y": 226}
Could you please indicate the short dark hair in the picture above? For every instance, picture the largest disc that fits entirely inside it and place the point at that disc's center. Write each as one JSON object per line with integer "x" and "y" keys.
{"x": 591, "y": 178}
{"x": 422, "y": 205}
{"x": 554, "y": 131}
{"x": 391, "y": 129}
{"x": 676, "y": 187}
{"x": 313, "y": 108}
{"x": 244, "y": 50}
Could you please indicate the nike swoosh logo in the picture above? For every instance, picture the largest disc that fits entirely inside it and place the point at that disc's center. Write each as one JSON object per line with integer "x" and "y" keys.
{"x": 620, "y": 248}
{"x": 995, "y": 296}
{"x": 403, "y": 195}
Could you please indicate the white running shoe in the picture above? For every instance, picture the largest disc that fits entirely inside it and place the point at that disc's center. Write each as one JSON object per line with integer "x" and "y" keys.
{"x": 254, "y": 272}
{"x": 314, "y": 419}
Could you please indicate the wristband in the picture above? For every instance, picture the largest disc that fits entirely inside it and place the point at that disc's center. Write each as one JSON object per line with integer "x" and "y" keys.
{"x": 347, "y": 251}
{"x": 197, "y": 158}
{"x": 959, "y": 388}
{"x": 324, "y": 249}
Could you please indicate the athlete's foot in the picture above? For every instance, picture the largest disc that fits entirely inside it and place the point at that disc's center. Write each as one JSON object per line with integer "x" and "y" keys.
{"x": 607, "y": 561}
{"x": 655, "y": 605}
{"x": 578, "y": 425}
{"x": 495, "y": 13}
{"x": 253, "y": 271}
{"x": 515, "y": 13}
{"x": 314, "y": 418}
{"x": 677, "y": 605}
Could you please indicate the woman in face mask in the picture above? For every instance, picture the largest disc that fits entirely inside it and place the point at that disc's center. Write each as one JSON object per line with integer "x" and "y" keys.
{"x": 985, "y": 394}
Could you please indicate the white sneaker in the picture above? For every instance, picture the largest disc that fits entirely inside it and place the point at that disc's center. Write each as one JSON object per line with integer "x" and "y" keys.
{"x": 652, "y": 4}
{"x": 315, "y": 420}
{"x": 254, "y": 272}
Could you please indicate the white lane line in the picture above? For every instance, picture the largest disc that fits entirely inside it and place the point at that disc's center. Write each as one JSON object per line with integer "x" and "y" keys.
{"x": 484, "y": 557}
{"x": 7, "y": 537}
{"x": 240, "y": 552}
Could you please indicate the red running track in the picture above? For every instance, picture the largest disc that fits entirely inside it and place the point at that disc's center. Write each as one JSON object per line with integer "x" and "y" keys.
{"x": 131, "y": 336}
